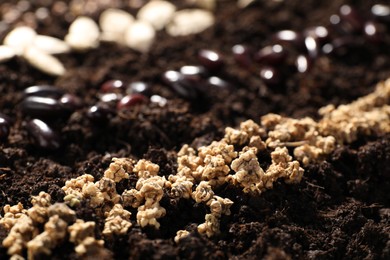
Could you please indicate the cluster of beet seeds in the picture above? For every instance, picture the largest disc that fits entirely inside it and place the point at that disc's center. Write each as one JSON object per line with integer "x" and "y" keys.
{"x": 291, "y": 52}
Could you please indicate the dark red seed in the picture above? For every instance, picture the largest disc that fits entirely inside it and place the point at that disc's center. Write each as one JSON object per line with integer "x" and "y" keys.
{"x": 44, "y": 91}
{"x": 320, "y": 33}
{"x": 381, "y": 12}
{"x": 71, "y": 102}
{"x": 210, "y": 59}
{"x": 112, "y": 86}
{"x": 139, "y": 87}
{"x": 43, "y": 135}
{"x": 218, "y": 83}
{"x": 372, "y": 32}
{"x": 4, "y": 126}
{"x": 243, "y": 55}
{"x": 342, "y": 45}
{"x": 273, "y": 55}
{"x": 184, "y": 87}
{"x": 131, "y": 101}
{"x": 42, "y": 107}
{"x": 270, "y": 76}
{"x": 312, "y": 46}
{"x": 302, "y": 63}
{"x": 99, "y": 113}
{"x": 351, "y": 19}
{"x": 289, "y": 36}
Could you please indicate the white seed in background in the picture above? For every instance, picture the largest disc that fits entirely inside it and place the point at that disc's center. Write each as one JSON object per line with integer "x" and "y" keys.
{"x": 161, "y": 101}
{"x": 140, "y": 36}
{"x": 83, "y": 34}
{"x": 157, "y": 13}
{"x": 190, "y": 21}
{"x": 20, "y": 38}
{"x": 6, "y": 53}
{"x": 43, "y": 61}
{"x": 51, "y": 45}
{"x": 114, "y": 23}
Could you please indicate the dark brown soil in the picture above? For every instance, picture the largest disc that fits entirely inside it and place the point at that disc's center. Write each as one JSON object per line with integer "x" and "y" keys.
{"x": 341, "y": 208}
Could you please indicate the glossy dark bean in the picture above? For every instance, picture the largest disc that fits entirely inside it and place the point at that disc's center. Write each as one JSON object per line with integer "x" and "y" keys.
{"x": 350, "y": 20}
{"x": 110, "y": 97}
{"x": 71, "y": 102}
{"x": 5, "y": 124}
{"x": 302, "y": 63}
{"x": 372, "y": 32}
{"x": 43, "y": 135}
{"x": 243, "y": 55}
{"x": 320, "y": 33}
{"x": 273, "y": 55}
{"x": 191, "y": 71}
{"x": 161, "y": 101}
{"x": 210, "y": 59}
{"x": 139, "y": 87}
{"x": 42, "y": 107}
{"x": 340, "y": 46}
{"x": 218, "y": 83}
{"x": 381, "y": 12}
{"x": 289, "y": 36}
{"x": 99, "y": 114}
{"x": 131, "y": 100}
{"x": 44, "y": 91}
{"x": 270, "y": 76}
{"x": 112, "y": 86}
{"x": 312, "y": 46}
{"x": 183, "y": 87}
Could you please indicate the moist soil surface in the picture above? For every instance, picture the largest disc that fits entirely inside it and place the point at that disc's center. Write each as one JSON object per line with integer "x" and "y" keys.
{"x": 341, "y": 207}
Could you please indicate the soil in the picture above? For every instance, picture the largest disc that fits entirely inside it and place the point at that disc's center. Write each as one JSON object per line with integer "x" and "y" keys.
{"x": 340, "y": 209}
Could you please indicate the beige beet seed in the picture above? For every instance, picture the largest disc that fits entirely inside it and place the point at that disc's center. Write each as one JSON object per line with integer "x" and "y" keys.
{"x": 190, "y": 21}
{"x": 114, "y": 23}
{"x": 158, "y": 13}
{"x": 20, "y": 38}
{"x": 51, "y": 45}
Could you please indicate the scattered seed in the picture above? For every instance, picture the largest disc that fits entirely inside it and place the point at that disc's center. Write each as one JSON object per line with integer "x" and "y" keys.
{"x": 4, "y": 126}
{"x": 190, "y": 21}
{"x": 302, "y": 63}
{"x": 289, "y": 36}
{"x": 158, "y": 13}
{"x": 20, "y": 38}
{"x": 99, "y": 114}
{"x": 44, "y": 62}
{"x": 114, "y": 85}
{"x": 319, "y": 33}
{"x": 140, "y": 36}
{"x": 42, "y": 107}
{"x": 70, "y": 102}
{"x": 138, "y": 87}
{"x": 83, "y": 34}
{"x": 312, "y": 46}
{"x": 50, "y": 44}
{"x": 114, "y": 23}
{"x": 274, "y": 55}
{"x": 183, "y": 87}
{"x": 131, "y": 100}
{"x": 372, "y": 32}
{"x": 210, "y": 59}
{"x": 43, "y": 91}
{"x": 381, "y": 12}
{"x": 215, "y": 81}
{"x": 6, "y": 53}
{"x": 243, "y": 55}
{"x": 43, "y": 135}
{"x": 270, "y": 76}
{"x": 161, "y": 101}
{"x": 193, "y": 71}
{"x": 351, "y": 19}
{"x": 110, "y": 97}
